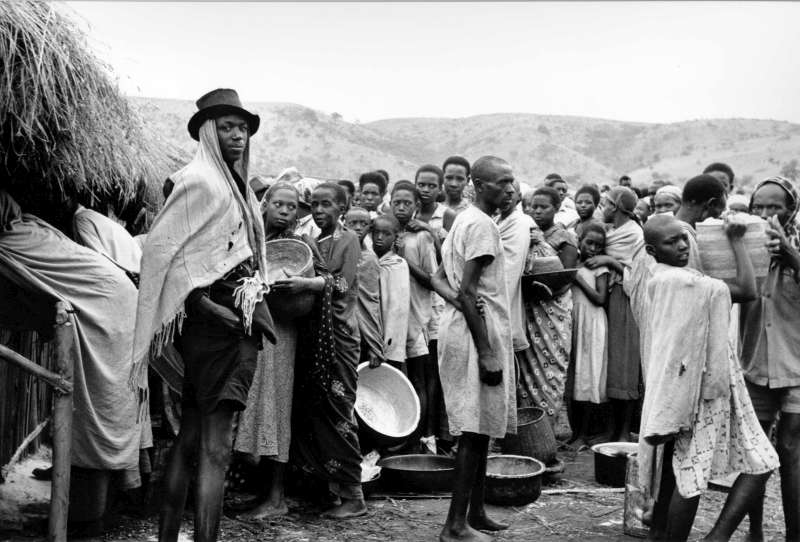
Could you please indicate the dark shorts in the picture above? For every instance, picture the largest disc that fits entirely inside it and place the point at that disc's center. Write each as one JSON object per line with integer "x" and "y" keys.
{"x": 219, "y": 365}
{"x": 767, "y": 402}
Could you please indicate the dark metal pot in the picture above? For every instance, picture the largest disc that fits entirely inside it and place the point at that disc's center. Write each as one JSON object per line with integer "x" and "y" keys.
{"x": 513, "y": 480}
{"x": 611, "y": 462}
{"x": 417, "y": 473}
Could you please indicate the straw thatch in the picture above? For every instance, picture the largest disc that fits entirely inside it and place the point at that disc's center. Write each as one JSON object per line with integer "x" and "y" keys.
{"x": 65, "y": 129}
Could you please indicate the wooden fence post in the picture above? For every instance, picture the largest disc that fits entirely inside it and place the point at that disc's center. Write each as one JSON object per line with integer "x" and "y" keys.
{"x": 62, "y": 427}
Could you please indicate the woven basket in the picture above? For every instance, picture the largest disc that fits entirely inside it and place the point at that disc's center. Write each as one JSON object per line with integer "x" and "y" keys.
{"x": 289, "y": 258}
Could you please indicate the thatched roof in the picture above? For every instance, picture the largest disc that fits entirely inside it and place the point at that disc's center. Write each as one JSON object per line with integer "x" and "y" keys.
{"x": 64, "y": 126}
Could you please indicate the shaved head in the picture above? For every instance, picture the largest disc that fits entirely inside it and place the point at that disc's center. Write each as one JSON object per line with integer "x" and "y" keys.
{"x": 488, "y": 168}
{"x": 655, "y": 227}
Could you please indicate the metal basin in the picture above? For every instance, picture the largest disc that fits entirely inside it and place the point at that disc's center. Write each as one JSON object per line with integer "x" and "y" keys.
{"x": 386, "y": 405}
{"x": 611, "y": 462}
{"x": 513, "y": 480}
{"x": 417, "y": 473}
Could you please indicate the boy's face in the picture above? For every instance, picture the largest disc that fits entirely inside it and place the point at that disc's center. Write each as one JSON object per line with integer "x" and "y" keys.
{"x": 371, "y": 197}
{"x": 561, "y": 188}
{"x": 403, "y": 205}
{"x": 358, "y": 221}
{"x": 584, "y": 205}
{"x": 671, "y": 247}
{"x": 455, "y": 179}
{"x": 428, "y": 187}
{"x": 383, "y": 236}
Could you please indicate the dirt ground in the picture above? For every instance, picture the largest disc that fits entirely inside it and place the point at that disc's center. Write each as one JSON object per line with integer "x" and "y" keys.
{"x": 584, "y": 516}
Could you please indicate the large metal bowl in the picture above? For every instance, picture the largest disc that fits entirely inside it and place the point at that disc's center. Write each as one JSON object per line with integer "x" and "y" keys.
{"x": 417, "y": 473}
{"x": 386, "y": 405}
{"x": 513, "y": 480}
{"x": 288, "y": 258}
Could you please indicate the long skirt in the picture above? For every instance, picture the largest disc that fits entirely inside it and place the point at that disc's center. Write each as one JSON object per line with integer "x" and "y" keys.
{"x": 624, "y": 355}
{"x": 543, "y": 365}
{"x": 265, "y": 425}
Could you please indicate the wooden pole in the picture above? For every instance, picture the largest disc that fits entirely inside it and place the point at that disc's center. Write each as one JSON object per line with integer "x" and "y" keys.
{"x": 56, "y": 380}
{"x": 62, "y": 427}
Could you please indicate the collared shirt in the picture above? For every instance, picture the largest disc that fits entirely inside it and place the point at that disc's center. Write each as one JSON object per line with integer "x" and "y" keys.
{"x": 770, "y": 331}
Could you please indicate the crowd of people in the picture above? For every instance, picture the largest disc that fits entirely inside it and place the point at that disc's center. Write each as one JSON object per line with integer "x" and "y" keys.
{"x": 437, "y": 277}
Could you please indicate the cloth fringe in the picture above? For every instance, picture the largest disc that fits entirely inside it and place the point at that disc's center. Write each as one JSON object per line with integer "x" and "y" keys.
{"x": 138, "y": 379}
{"x": 249, "y": 294}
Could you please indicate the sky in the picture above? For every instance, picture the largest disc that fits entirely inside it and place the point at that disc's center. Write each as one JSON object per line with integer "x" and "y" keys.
{"x": 648, "y": 61}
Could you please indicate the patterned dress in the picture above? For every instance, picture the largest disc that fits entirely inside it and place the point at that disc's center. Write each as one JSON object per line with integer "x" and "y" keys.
{"x": 543, "y": 366}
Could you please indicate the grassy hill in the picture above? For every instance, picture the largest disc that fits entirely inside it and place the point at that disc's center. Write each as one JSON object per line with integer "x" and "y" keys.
{"x": 580, "y": 149}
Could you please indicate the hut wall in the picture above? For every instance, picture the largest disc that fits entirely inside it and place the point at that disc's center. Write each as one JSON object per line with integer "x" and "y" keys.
{"x": 24, "y": 400}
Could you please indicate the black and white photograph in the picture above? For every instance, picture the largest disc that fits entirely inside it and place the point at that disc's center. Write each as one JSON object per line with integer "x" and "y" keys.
{"x": 399, "y": 271}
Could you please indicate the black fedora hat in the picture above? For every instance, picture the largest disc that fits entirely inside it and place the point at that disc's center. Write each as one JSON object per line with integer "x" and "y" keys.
{"x": 222, "y": 101}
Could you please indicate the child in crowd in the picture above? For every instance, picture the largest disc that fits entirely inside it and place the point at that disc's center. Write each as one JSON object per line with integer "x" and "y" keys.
{"x": 325, "y": 437}
{"x": 369, "y": 304}
{"x": 696, "y": 402}
{"x": 587, "y": 198}
{"x": 372, "y": 188}
{"x": 264, "y": 428}
{"x": 394, "y": 291}
{"x": 418, "y": 249}
{"x": 590, "y": 328}
{"x": 624, "y": 239}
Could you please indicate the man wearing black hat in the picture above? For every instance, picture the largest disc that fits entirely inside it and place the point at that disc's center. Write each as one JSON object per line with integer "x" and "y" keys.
{"x": 202, "y": 286}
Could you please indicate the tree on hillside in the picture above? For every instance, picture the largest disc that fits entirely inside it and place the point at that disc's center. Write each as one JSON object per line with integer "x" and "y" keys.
{"x": 790, "y": 170}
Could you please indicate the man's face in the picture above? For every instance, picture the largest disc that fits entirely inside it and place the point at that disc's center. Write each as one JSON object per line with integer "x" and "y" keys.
{"x": 609, "y": 209}
{"x": 455, "y": 179}
{"x": 233, "y": 133}
{"x": 371, "y": 196}
{"x": 497, "y": 188}
{"x": 625, "y": 182}
{"x": 671, "y": 246}
{"x": 714, "y": 208}
{"x": 770, "y": 200}
{"x": 561, "y": 188}
{"x": 722, "y": 177}
{"x": 584, "y": 205}
{"x": 428, "y": 187}
{"x": 358, "y": 221}
{"x": 510, "y": 200}
{"x": 403, "y": 205}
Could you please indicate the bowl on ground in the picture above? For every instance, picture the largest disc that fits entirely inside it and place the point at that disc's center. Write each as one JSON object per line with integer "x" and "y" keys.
{"x": 417, "y": 473}
{"x": 387, "y": 405}
{"x": 611, "y": 462}
{"x": 513, "y": 480}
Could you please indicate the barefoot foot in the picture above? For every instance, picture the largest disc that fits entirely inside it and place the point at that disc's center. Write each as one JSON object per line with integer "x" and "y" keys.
{"x": 484, "y": 523}
{"x": 265, "y": 510}
{"x": 347, "y": 510}
{"x": 467, "y": 534}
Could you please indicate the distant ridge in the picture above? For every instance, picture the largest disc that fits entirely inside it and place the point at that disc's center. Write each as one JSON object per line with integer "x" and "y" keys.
{"x": 580, "y": 149}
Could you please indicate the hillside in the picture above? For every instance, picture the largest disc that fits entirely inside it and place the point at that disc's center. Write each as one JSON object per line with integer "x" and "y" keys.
{"x": 580, "y": 149}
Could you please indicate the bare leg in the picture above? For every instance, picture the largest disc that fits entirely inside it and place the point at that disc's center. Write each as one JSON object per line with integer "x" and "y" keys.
{"x": 627, "y": 417}
{"x": 416, "y": 374}
{"x": 470, "y": 448}
{"x": 274, "y": 503}
{"x": 658, "y": 527}
{"x": 216, "y": 440}
{"x": 476, "y": 516}
{"x": 789, "y": 454}
{"x": 432, "y": 389}
{"x": 178, "y": 476}
{"x": 681, "y": 517}
{"x": 756, "y": 514}
{"x": 352, "y": 503}
{"x": 747, "y": 491}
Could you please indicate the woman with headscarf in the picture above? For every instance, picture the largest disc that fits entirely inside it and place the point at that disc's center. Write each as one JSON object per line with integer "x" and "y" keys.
{"x": 623, "y": 240}
{"x": 543, "y": 365}
{"x": 667, "y": 199}
{"x": 770, "y": 333}
{"x": 203, "y": 279}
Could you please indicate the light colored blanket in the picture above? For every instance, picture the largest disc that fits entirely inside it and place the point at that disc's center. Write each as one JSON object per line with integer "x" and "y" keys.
{"x": 395, "y": 303}
{"x": 205, "y": 230}
{"x": 105, "y": 432}
{"x": 103, "y": 235}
